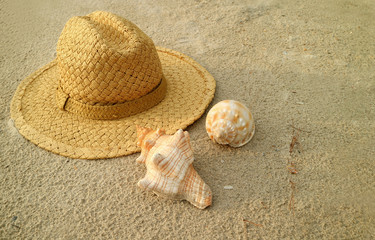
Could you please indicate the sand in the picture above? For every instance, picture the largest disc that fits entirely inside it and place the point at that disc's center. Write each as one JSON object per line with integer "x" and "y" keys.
{"x": 307, "y": 64}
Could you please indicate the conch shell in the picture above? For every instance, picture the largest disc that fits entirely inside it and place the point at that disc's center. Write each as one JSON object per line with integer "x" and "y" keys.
{"x": 230, "y": 122}
{"x": 170, "y": 172}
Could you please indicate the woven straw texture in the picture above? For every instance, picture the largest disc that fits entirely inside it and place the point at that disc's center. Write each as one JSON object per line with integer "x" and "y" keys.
{"x": 41, "y": 116}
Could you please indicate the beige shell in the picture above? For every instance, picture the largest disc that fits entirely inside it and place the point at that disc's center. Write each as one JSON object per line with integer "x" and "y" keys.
{"x": 170, "y": 172}
{"x": 230, "y": 122}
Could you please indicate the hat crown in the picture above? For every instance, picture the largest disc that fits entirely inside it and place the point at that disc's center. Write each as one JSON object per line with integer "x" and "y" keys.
{"x": 104, "y": 59}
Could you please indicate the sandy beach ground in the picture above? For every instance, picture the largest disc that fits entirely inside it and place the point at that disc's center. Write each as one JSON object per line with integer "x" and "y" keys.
{"x": 307, "y": 65}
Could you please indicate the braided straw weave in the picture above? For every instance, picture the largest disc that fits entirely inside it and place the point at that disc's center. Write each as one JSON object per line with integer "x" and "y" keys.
{"x": 107, "y": 78}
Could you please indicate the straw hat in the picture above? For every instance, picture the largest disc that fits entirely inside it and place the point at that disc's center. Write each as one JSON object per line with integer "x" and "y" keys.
{"x": 107, "y": 78}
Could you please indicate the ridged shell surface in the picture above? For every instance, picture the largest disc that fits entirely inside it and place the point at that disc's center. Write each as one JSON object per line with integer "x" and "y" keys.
{"x": 170, "y": 172}
{"x": 230, "y": 122}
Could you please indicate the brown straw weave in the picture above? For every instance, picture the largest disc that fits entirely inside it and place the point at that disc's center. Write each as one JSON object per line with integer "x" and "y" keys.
{"x": 107, "y": 78}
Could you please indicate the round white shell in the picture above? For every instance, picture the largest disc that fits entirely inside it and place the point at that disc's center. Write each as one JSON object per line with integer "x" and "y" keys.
{"x": 230, "y": 122}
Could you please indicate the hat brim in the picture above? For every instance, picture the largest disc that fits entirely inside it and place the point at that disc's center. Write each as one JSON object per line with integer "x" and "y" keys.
{"x": 190, "y": 89}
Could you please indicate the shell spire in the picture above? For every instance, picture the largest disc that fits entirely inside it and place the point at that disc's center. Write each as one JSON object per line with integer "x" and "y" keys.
{"x": 170, "y": 172}
{"x": 223, "y": 131}
{"x": 146, "y": 140}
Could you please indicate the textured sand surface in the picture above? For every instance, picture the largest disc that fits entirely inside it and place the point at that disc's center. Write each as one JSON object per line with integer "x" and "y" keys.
{"x": 310, "y": 64}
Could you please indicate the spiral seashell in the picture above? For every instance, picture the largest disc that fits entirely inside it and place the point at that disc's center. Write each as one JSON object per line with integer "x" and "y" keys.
{"x": 230, "y": 122}
{"x": 170, "y": 172}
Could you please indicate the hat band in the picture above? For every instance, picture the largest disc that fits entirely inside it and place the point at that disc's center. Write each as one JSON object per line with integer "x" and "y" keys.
{"x": 110, "y": 112}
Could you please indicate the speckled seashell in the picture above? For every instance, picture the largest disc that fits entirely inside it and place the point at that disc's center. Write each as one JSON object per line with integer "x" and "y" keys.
{"x": 170, "y": 172}
{"x": 230, "y": 122}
